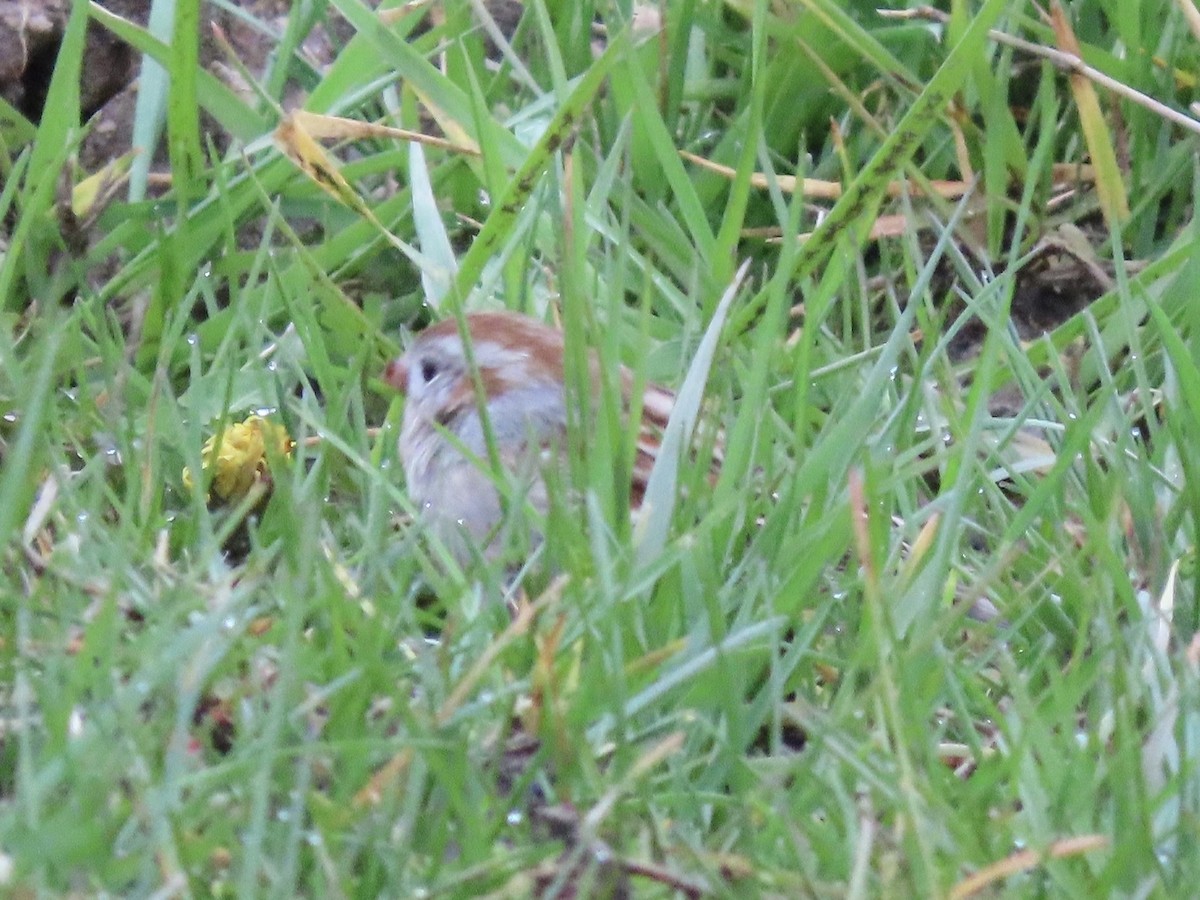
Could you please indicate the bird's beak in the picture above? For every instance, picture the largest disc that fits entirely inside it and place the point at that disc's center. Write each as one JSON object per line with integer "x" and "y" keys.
{"x": 396, "y": 374}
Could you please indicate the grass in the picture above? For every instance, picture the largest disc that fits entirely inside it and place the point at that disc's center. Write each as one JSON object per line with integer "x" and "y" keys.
{"x": 777, "y": 689}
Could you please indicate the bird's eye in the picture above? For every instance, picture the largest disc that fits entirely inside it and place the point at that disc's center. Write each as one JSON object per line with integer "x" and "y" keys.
{"x": 429, "y": 370}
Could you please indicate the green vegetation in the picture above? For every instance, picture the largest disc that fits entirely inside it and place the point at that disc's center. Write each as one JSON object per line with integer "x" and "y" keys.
{"x": 782, "y": 689}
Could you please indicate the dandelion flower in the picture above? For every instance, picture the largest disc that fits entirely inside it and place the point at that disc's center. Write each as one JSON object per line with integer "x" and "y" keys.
{"x": 238, "y": 457}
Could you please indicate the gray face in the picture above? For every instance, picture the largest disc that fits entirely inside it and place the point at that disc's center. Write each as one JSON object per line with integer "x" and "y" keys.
{"x": 526, "y": 412}
{"x": 436, "y": 371}
{"x": 526, "y": 403}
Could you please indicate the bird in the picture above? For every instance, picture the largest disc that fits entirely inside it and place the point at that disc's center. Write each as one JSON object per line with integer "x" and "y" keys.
{"x": 443, "y": 444}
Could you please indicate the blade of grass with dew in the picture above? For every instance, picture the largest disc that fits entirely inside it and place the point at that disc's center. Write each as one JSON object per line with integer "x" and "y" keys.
{"x": 509, "y": 267}
{"x": 554, "y": 58}
{"x": 658, "y": 504}
{"x": 725, "y": 242}
{"x": 170, "y": 94}
{"x": 182, "y": 112}
{"x": 56, "y": 131}
{"x": 431, "y": 231}
{"x": 1003, "y": 150}
{"x": 150, "y": 110}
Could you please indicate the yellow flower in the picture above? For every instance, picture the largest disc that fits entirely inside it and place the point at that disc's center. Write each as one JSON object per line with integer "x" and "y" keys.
{"x": 241, "y": 456}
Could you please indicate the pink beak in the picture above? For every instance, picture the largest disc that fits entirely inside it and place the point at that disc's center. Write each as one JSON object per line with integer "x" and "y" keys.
{"x": 396, "y": 374}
